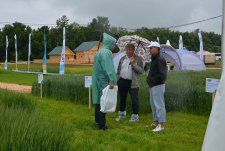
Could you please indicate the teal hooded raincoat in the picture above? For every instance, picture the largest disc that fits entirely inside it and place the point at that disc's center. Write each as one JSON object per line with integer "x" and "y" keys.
{"x": 103, "y": 68}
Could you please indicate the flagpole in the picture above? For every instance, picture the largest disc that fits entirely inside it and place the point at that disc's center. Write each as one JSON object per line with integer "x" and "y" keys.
{"x": 201, "y": 46}
{"x": 44, "y": 61}
{"x": 16, "y": 59}
{"x": 29, "y": 52}
{"x": 62, "y": 61}
{"x": 6, "y": 53}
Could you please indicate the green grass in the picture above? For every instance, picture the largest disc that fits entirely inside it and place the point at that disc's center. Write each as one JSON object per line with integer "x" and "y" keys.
{"x": 217, "y": 65}
{"x": 22, "y": 128}
{"x": 18, "y": 78}
{"x": 185, "y": 91}
{"x": 31, "y": 123}
{"x": 53, "y": 68}
{"x": 28, "y": 79}
{"x": 63, "y": 125}
{"x": 183, "y": 131}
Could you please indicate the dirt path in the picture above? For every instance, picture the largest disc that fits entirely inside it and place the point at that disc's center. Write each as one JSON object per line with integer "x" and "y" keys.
{"x": 15, "y": 87}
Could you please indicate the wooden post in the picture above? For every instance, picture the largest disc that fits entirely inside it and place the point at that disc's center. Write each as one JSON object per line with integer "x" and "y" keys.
{"x": 89, "y": 97}
{"x": 41, "y": 89}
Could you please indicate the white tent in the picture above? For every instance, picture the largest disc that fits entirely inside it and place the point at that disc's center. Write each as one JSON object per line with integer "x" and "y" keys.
{"x": 182, "y": 59}
{"x": 190, "y": 61}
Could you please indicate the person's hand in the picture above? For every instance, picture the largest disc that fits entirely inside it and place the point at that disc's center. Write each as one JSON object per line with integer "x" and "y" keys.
{"x": 132, "y": 60}
{"x": 111, "y": 85}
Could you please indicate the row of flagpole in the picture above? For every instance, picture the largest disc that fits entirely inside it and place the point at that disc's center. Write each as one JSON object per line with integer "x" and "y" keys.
{"x": 44, "y": 61}
{"x": 200, "y": 40}
{"x": 62, "y": 60}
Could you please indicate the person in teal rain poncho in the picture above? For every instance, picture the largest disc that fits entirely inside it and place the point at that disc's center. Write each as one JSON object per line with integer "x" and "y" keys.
{"x": 102, "y": 76}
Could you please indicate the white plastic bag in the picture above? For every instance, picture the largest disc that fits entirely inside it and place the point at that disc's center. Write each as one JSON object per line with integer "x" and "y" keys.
{"x": 108, "y": 99}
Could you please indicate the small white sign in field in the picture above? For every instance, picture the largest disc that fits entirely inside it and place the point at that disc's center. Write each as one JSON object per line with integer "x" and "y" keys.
{"x": 88, "y": 81}
{"x": 211, "y": 85}
{"x": 40, "y": 78}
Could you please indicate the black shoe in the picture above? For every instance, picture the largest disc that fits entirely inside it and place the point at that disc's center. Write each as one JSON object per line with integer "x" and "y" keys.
{"x": 103, "y": 128}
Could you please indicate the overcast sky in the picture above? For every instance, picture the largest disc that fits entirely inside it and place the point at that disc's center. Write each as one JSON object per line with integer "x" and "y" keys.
{"x": 121, "y": 13}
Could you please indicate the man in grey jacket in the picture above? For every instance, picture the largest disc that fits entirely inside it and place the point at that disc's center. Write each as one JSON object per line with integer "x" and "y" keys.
{"x": 129, "y": 70}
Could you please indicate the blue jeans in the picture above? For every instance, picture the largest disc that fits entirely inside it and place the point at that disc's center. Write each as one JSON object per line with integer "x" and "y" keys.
{"x": 157, "y": 102}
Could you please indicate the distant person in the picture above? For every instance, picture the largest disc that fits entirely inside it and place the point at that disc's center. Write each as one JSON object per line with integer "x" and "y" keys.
{"x": 156, "y": 81}
{"x": 129, "y": 70}
{"x": 102, "y": 76}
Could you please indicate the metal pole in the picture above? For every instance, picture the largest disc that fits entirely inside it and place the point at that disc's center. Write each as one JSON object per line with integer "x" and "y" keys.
{"x": 90, "y": 97}
{"x": 223, "y": 39}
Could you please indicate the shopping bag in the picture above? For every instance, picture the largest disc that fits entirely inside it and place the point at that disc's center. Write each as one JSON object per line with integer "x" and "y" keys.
{"x": 108, "y": 99}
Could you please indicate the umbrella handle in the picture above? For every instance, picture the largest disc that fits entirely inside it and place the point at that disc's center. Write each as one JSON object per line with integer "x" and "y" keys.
{"x": 138, "y": 44}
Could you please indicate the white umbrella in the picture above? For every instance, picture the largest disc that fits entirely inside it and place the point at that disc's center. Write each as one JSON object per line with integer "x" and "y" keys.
{"x": 140, "y": 44}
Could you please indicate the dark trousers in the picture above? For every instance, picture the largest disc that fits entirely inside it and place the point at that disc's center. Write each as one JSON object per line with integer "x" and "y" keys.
{"x": 99, "y": 117}
{"x": 124, "y": 86}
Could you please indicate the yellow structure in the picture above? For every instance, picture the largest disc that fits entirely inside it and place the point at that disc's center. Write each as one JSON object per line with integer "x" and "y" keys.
{"x": 55, "y": 55}
{"x": 209, "y": 58}
{"x": 86, "y": 51}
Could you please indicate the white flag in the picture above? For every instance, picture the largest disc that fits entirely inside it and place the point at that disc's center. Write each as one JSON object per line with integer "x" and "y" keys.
{"x": 62, "y": 61}
{"x": 6, "y": 54}
{"x": 215, "y": 133}
{"x": 158, "y": 40}
{"x": 29, "y": 49}
{"x": 16, "y": 48}
{"x": 201, "y": 45}
{"x": 181, "y": 43}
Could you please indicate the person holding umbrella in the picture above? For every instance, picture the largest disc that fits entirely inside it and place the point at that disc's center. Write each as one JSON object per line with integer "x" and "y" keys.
{"x": 156, "y": 81}
{"x": 129, "y": 70}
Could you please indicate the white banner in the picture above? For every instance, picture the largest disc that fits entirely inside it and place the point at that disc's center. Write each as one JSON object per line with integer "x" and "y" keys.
{"x": 201, "y": 45}
{"x": 62, "y": 61}
{"x": 16, "y": 49}
{"x": 6, "y": 54}
{"x": 181, "y": 43}
{"x": 29, "y": 49}
{"x": 215, "y": 133}
{"x": 158, "y": 40}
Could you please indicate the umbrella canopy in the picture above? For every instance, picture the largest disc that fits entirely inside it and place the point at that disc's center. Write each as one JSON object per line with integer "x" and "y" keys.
{"x": 140, "y": 44}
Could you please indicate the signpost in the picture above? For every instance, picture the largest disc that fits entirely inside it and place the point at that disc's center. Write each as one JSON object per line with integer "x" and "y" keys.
{"x": 40, "y": 81}
{"x": 88, "y": 82}
{"x": 211, "y": 86}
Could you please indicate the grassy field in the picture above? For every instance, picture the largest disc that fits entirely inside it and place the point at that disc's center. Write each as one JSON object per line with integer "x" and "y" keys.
{"x": 217, "y": 65}
{"x": 28, "y": 79}
{"x": 19, "y": 78}
{"x": 185, "y": 91}
{"x": 47, "y": 124}
{"x": 53, "y": 68}
{"x": 31, "y": 123}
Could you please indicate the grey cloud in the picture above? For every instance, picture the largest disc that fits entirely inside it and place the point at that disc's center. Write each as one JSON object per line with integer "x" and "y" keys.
{"x": 123, "y": 13}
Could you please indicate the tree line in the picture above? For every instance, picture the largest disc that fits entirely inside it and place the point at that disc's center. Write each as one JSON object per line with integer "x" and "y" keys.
{"x": 76, "y": 34}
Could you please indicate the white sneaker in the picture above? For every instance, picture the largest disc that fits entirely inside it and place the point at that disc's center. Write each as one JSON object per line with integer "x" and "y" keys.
{"x": 134, "y": 118}
{"x": 158, "y": 128}
{"x": 121, "y": 115}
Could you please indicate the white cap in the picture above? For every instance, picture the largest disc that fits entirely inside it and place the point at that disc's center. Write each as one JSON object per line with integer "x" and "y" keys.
{"x": 154, "y": 44}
